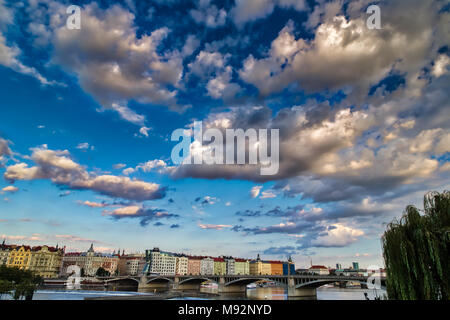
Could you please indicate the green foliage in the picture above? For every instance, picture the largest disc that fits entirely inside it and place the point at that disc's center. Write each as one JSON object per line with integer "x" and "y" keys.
{"x": 5, "y": 287}
{"x": 416, "y": 251}
{"x": 102, "y": 272}
{"x": 22, "y": 283}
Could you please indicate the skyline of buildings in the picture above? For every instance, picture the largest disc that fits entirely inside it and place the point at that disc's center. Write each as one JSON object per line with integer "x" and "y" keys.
{"x": 306, "y": 261}
{"x": 53, "y": 262}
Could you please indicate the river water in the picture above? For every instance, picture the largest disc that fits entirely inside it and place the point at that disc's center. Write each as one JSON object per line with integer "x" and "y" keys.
{"x": 271, "y": 293}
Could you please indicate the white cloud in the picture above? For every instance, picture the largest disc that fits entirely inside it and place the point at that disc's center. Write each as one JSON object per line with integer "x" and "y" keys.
{"x": 144, "y": 131}
{"x": 441, "y": 65}
{"x": 115, "y": 65}
{"x": 84, "y": 146}
{"x": 4, "y": 149}
{"x": 159, "y": 165}
{"x": 128, "y": 114}
{"x": 10, "y": 189}
{"x": 254, "y": 192}
{"x": 208, "y": 14}
{"x": 338, "y": 235}
{"x": 9, "y": 58}
{"x": 267, "y": 195}
{"x": 214, "y": 226}
{"x": 94, "y": 204}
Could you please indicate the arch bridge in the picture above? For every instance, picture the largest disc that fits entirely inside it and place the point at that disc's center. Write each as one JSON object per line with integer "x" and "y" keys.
{"x": 297, "y": 285}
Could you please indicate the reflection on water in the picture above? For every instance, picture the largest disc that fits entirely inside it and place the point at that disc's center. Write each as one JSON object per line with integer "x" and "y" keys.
{"x": 268, "y": 293}
{"x": 278, "y": 293}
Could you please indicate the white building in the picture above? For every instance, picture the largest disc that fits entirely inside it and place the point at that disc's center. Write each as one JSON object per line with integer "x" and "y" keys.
{"x": 163, "y": 263}
{"x": 182, "y": 266}
{"x": 319, "y": 270}
{"x": 207, "y": 266}
{"x": 90, "y": 262}
{"x": 230, "y": 266}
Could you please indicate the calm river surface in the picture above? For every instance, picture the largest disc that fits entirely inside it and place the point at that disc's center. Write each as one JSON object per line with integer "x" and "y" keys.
{"x": 273, "y": 293}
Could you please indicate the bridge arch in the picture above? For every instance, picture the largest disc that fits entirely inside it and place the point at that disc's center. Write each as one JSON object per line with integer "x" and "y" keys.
{"x": 159, "y": 280}
{"x": 196, "y": 280}
{"x": 122, "y": 279}
{"x": 321, "y": 282}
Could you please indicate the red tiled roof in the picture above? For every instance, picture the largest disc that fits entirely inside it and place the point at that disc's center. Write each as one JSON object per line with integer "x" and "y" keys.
{"x": 72, "y": 254}
{"x": 8, "y": 246}
{"x": 51, "y": 249}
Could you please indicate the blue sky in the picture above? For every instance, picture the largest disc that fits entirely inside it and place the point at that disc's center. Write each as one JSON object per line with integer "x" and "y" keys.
{"x": 86, "y": 117}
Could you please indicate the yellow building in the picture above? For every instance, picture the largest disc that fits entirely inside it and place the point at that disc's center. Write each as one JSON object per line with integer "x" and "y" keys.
{"x": 43, "y": 260}
{"x": 220, "y": 266}
{"x": 241, "y": 267}
{"x": 20, "y": 257}
{"x": 46, "y": 261}
{"x": 258, "y": 267}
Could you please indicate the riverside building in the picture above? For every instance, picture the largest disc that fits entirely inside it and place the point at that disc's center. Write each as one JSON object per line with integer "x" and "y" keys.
{"x": 259, "y": 267}
{"x": 182, "y": 265}
{"x": 131, "y": 264}
{"x": 89, "y": 262}
{"x": 207, "y": 266}
{"x": 194, "y": 265}
{"x": 230, "y": 266}
{"x": 220, "y": 267}
{"x": 241, "y": 267}
{"x": 4, "y": 252}
{"x": 44, "y": 261}
{"x": 160, "y": 262}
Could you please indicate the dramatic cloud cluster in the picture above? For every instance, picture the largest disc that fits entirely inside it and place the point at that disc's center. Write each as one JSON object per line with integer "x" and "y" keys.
{"x": 58, "y": 167}
{"x": 115, "y": 66}
{"x": 344, "y": 52}
{"x": 362, "y": 114}
{"x": 309, "y": 234}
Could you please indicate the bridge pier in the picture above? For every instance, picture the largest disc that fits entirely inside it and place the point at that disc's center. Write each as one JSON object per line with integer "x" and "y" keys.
{"x": 151, "y": 286}
{"x": 232, "y": 288}
{"x": 185, "y": 286}
{"x": 293, "y": 291}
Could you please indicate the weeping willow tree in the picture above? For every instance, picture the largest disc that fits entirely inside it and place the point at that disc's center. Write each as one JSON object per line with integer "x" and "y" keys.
{"x": 416, "y": 251}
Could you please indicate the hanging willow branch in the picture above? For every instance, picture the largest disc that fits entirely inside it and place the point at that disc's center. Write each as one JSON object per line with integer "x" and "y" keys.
{"x": 416, "y": 251}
